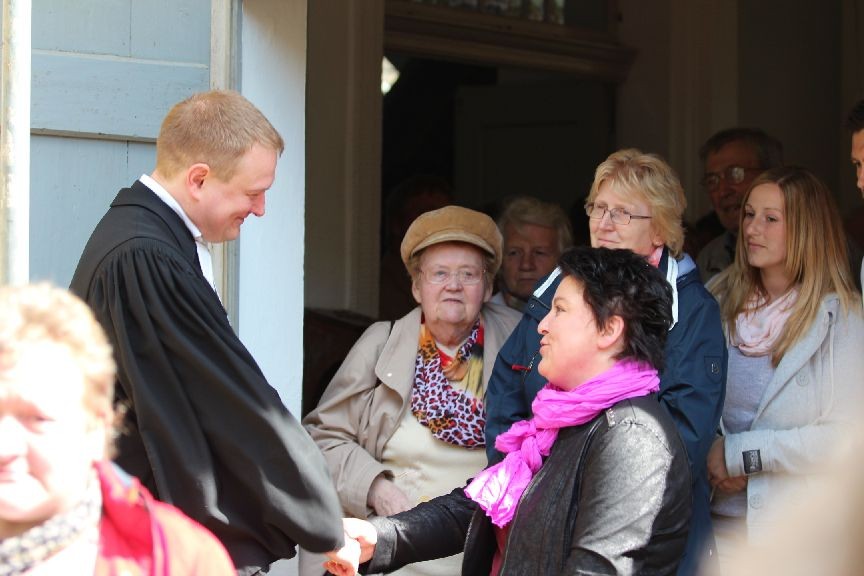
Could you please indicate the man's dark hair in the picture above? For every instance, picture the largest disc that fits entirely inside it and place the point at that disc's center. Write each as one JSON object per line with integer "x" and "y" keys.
{"x": 769, "y": 151}
{"x": 855, "y": 120}
{"x": 621, "y": 283}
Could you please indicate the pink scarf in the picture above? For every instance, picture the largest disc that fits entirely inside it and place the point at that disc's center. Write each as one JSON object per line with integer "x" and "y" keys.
{"x": 498, "y": 488}
{"x": 757, "y": 328}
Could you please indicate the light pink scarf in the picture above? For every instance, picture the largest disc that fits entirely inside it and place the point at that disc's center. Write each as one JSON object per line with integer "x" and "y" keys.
{"x": 498, "y": 488}
{"x": 757, "y": 329}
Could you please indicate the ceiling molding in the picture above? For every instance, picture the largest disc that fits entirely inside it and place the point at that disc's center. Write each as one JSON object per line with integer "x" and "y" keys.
{"x": 440, "y": 32}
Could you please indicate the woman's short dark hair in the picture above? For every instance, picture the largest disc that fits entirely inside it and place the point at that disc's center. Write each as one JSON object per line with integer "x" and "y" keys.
{"x": 621, "y": 283}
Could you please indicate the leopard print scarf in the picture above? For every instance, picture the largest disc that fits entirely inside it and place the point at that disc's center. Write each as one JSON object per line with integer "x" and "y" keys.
{"x": 448, "y": 392}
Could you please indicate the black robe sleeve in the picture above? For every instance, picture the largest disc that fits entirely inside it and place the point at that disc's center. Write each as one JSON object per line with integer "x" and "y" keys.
{"x": 203, "y": 420}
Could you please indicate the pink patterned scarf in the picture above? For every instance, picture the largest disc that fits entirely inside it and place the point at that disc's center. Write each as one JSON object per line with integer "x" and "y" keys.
{"x": 498, "y": 488}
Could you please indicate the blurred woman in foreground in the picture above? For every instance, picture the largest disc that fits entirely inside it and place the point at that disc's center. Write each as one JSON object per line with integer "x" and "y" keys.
{"x": 64, "y": 508}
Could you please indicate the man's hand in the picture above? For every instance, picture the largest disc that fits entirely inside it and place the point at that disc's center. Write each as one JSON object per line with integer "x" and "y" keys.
{"x": 386, "y": 498}
{"x": 360, "y": 540}
{"x": 365, "y": 535}
{"x": 346, "y": 560}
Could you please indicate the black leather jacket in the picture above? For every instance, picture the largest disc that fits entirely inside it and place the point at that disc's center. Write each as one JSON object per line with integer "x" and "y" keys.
{"x": 613, "y": 497}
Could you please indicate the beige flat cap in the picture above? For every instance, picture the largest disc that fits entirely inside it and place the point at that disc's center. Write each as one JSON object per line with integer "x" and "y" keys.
{"x": 453, "y": 224}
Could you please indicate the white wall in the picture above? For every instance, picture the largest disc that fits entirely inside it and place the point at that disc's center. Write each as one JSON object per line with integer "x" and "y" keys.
{"x": 273, "y": 72}
{"x": 271, "y": 248}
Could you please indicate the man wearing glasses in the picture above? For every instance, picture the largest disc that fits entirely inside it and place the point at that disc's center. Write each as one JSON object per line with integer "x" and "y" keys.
{"x": 732, "y": 159}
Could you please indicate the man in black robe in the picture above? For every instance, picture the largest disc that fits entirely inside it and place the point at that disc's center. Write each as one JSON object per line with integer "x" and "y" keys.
{"x": 203, "y": 429}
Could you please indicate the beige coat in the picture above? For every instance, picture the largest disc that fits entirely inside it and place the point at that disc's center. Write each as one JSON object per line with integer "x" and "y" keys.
{"x": 356, "y": 418}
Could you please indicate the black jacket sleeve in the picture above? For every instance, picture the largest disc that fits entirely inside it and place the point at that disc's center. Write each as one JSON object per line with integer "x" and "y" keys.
{"x": 433, "y": 529}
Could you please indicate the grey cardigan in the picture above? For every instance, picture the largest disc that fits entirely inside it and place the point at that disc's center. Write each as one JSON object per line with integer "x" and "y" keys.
{"x": 806, "y": 410}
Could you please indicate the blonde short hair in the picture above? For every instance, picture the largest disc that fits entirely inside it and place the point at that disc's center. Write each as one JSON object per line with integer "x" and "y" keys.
{"x": 215, "y": 128}
{"x": 42, "y": 313}
{"x": 523, "y": 210}
{"x": 651, "y": 178}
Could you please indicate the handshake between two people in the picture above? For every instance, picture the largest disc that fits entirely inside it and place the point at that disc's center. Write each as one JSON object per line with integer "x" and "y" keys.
{"x": 386, "y": 499}
{"x": 360, "y": 540}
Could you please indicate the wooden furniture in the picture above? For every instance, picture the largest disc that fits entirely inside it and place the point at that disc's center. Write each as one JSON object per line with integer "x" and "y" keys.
{"x": 328, "y": 335}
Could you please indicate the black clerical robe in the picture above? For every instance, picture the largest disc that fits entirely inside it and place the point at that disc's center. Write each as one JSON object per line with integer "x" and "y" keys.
{"x": 204, "y": 430}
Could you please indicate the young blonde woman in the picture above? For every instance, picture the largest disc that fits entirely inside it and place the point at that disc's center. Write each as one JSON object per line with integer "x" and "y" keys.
{"x": 796, "y": 353}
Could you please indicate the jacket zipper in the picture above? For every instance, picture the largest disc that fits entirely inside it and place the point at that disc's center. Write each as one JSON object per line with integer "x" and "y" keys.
{"x": 527, "y": 369}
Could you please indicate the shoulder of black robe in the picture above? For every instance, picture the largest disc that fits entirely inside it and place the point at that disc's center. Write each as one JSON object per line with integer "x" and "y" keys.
{"x": 212, "y": 435}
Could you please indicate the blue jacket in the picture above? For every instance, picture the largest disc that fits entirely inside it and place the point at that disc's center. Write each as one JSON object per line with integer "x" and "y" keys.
{"x": 692, "y": 385}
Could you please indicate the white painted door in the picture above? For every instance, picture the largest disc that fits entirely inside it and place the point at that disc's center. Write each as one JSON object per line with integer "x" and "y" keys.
{"x": 105, "y": 72}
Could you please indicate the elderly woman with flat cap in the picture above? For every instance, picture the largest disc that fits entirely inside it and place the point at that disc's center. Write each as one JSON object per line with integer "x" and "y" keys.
{"x": 402, "y": 420}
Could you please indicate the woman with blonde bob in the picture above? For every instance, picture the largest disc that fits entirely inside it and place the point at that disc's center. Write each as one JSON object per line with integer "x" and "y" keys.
{"x": 795, "y": 334}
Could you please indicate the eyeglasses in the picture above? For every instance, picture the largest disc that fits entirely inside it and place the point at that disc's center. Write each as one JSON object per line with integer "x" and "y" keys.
{"x": 732, "y": 174}
{"x": 618, "y": 215}
{"x": 465, "y": 276}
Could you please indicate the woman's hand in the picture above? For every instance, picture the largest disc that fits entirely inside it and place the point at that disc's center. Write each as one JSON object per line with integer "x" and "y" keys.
{"x": 718, "y": 474}
{"x": 386, "y": 498}
{"x": 716, "y": 462}
{"x": 733, "y": 484}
